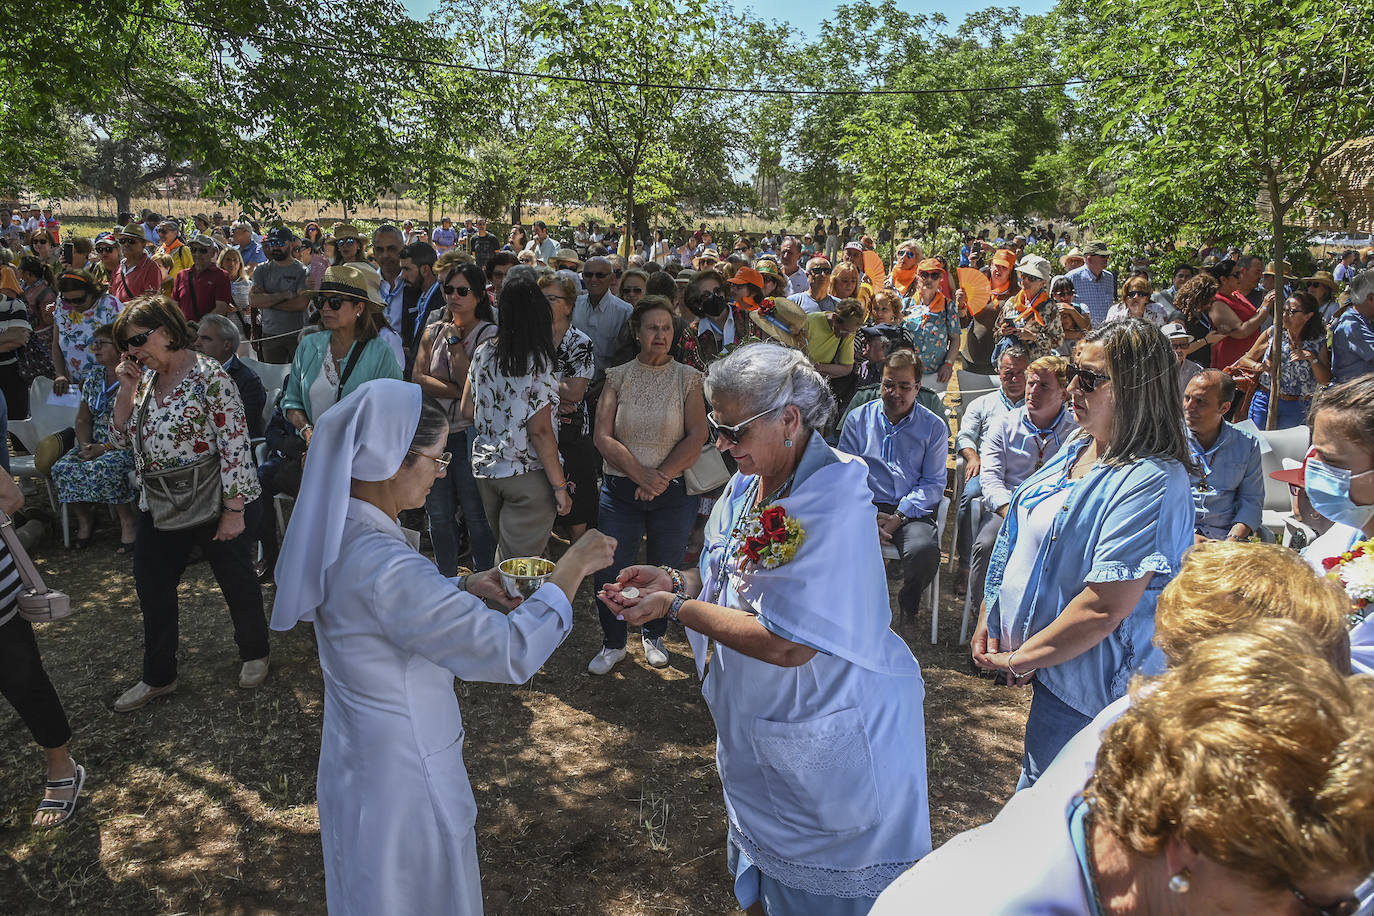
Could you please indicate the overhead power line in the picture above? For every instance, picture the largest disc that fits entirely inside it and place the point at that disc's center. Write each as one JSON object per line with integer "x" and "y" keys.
{"x": 588, "y": 80}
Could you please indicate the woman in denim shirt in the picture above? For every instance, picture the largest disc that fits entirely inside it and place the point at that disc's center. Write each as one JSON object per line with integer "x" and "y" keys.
{"x": 1090, "y": 539}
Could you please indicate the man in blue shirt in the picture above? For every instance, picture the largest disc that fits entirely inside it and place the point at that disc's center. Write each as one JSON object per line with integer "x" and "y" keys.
{"x": 905, "y": 447}
{"x": 1093, "y": 283}
{"x": 1352, "y": 338}
{"x": 1228, "y": 480}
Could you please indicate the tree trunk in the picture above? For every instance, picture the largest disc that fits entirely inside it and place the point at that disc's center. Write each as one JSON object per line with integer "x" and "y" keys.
{"x": 429, "y": 220}
{"x": 1275, "y": 339}
{"x": 627, "y": 240}
{"x": 123, "y": 198}
{"x": 515, "y": 213}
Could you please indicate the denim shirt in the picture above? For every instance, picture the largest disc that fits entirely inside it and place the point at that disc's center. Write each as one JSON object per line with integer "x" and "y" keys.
{"x": 1234, "y": 482}
{"x": 1118, "y": 523}
{"x": 906, "y": 460}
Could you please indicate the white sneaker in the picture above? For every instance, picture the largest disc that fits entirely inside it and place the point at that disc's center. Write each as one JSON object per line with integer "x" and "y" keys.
{"x": 654, "y": 653}
{"x": 605, "y": 660}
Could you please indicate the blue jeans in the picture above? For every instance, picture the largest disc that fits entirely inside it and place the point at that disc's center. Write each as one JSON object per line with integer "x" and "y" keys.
{"x": 1050, "y": 725}
{"x": 1290, "y": 413}
{"x": 666, "y": 521}
{"x": 458, "y": 489}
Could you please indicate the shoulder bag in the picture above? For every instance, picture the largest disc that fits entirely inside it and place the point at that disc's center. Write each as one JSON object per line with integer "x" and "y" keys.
{"x": 181, "y": 497}
{"x": 36, "y": 602}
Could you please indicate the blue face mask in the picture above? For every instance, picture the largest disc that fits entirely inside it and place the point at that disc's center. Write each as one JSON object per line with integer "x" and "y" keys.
{"x": 1329, "y": 490}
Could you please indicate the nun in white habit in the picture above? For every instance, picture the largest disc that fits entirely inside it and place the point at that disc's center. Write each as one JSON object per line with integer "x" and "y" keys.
{"x": 396, "y": 809}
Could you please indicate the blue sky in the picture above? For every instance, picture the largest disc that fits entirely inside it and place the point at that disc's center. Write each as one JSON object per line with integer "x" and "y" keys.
{"x": 806, "y": 15}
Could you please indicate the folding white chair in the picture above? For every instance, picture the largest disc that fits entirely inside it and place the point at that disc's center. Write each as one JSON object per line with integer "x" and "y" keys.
{"x": 1276, "y": 445}
{"x": 44, "y": 420}
{"x": 932, "y": 593}
{"x": 273, "y": 375}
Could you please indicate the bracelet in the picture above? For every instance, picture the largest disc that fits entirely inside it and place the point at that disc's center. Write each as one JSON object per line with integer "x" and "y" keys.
{"x": 566, "y": 485}
{"x": 679, "y": 583}
{"x": 231, "y": 509}
{"x": 463, "y": 583}
{"x": 676, "y": 607}
{"x": 307, "y": 427}
{"x": 1013, "y": 670}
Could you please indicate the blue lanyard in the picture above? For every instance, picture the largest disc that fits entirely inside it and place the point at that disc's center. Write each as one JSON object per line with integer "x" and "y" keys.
{"x": 103, "y": 396}
{"x": 1042, "y": 436}
{"x": 1078, "y": 836}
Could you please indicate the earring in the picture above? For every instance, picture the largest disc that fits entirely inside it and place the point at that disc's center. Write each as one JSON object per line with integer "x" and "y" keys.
{"x": 787, "y": 443}
{"x": 1179, "y": 883}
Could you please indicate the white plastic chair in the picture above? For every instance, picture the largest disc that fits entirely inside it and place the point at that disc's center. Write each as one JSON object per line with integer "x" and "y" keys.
{"x": 44, "y": 420}
{"x": 932, "y": 594}
{"x": 978, "y": 386}
{"x": 273, "y": 375}
{"x": 1275, "y": 446}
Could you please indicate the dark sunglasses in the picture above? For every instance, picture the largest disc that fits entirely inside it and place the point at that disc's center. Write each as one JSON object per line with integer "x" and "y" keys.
{"x": 1137, "y": 294}
{"x": 104, "y": 249}
{"x": 137, "y": 340}
{"x": 819, "y": 271}
{"x": 334, "y": 302}
{"x": 1088, "y": 380}
{"x": 1346, "y": 906}
{"x": 131, "y": 241}
{"x": 595, "y": 276}
{"x": 450, "y": 290}
{"x": 930, "y": 275}
{"x": 734, "y": 433}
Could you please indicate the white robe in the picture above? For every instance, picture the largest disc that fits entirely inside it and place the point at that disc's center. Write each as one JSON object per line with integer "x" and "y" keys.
{"x": 396, "y": 809}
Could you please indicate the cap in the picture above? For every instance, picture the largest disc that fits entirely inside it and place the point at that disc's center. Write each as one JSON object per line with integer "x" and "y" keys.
{"x": 930, "y": 264}
{"x": 853, "y": 246}
{"x": 566, "y": 256}
{"x": 1097, "y": 247}
{"x": 1293, "y": 473}
{"x": 1005, "y": 257}
{"x": 170, "y": 224}
{"x": 279, "y": 235}
{"x": 748, "y": 275}
{"x": 1175, "y": 331}
{"x": 201, "y": 241}
{"x": 132, "y": 231}
{"x": 685, "y": 276}
{"x": 201, "y": 217}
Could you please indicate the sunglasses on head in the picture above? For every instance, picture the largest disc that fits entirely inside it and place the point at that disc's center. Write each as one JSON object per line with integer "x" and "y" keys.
{"x": 450, "y": 290}
{"x": 1088, "y": 380}
{"x": 732, "y": 434}
{"x": 137, "y": 340}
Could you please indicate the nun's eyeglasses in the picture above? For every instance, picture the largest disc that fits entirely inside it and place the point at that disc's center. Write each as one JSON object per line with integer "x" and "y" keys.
{"x": 442, "y": 460}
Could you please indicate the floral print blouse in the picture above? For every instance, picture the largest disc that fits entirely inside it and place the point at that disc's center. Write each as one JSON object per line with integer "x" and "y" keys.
{"x": 75, "y": 331}
{"x": 575, "y": 360}
{"x": 203, "y": 414}
{"x": 502, "y": 408}
{"x": 936, "y": 333}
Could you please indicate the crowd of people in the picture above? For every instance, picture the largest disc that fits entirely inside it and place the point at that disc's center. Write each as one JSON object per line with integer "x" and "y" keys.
{"x": 745, "y": 415}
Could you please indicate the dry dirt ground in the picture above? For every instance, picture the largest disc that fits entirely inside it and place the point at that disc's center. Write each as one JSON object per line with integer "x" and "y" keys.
{"x": 595, "y": 795}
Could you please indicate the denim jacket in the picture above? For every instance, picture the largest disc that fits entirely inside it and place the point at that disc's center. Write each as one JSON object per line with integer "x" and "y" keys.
{"x": 1118, "y": 523}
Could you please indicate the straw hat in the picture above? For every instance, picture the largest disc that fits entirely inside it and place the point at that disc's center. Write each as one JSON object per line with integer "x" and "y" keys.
{"x": 1324, "y": 278}
{"x": 781, "y": 319}
{"x": 355, "y": 280}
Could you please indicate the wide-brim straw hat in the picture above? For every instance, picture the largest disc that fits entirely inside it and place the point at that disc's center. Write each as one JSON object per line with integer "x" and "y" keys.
{"x": 354, "y": 280}
{"x": 781, "y": 319}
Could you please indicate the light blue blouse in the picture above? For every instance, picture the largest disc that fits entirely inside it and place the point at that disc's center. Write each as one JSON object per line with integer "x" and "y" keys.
{"x": 1118, "y": 523}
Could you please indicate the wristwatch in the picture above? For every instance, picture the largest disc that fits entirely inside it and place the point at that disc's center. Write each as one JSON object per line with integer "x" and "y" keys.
{"x": 453, "y": 340}
{"x": 901, "y": 517}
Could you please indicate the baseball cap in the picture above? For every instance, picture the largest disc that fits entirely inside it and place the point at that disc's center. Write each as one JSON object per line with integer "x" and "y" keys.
{"x": 748, "y": 275}
{"x": 1175, "y": 331}
{"x": 280, "y": 235}
{"x": 854, "y": 245}
{"x": 1096, "y": 248}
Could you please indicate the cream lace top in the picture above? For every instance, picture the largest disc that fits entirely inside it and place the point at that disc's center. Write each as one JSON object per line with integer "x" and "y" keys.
{"x": 650, "y": 419}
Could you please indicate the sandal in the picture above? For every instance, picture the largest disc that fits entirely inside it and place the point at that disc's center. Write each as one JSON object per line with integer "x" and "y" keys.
{"x": 64, "y": 805}
{"x": 124, "y": 548}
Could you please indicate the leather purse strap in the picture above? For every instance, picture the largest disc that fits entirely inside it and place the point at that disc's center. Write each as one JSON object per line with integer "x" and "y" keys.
{"x": 28, "y": 572}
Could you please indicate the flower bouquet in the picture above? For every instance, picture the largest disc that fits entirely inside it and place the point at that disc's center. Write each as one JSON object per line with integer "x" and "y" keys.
{"x": 1354, "y": 572}
{"x": 771, "y": 538}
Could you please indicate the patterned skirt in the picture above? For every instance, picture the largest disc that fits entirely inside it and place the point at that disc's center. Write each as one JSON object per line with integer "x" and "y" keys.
{"x": 101, "y": 480}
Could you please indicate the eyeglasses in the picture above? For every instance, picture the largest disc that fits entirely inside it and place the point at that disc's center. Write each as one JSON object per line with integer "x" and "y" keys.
{"x": 1137, "y": 294}
{"x": 819, "y": 271}
{"x": 162, "y": 231}
{"x": 1289, "y": 311}
{"x": 599, "y": 275}
{"x": 450, "y": 290}
{"x": 131, "y": 241}
{"x": 1182, "y": 345}
{"x": 1067, "y": 294}
{"x": 41, "y": 242}
{"x": 271, "y": 245}
{"x": 1346, "y": 906}
{"x": 137, "y": 340}
{"x": 631, "y": 290}
{"x": 930, "y": 275}
{"x": 334, "y": 302}
{"x": 1088, "y": 380}
{"x": 906, "y": 254}
{"x": 732, "y": 434}
{"x": 104, "y": 249}
{"x": 442, "y": 460}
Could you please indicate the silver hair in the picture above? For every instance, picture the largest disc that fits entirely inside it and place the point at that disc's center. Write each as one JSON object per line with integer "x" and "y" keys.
{"x": 768, "y": 376}
{"x": 522, "y": 272}
{"x": 1362, "y": 287}
{"x": 225, "y": 328}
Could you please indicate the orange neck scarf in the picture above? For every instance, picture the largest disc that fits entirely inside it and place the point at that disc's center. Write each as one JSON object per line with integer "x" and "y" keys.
{"x": 1033, "y": 308}
{"x": 937, "y": 304}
